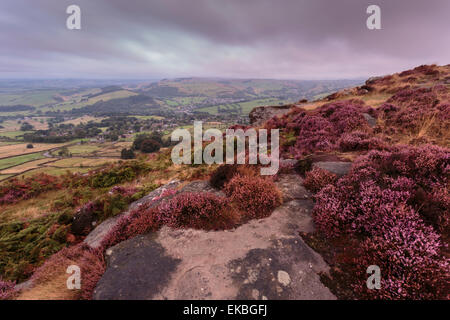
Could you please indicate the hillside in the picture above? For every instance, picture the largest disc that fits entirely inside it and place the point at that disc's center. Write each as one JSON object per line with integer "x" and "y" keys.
{"x": 364, "y": 180}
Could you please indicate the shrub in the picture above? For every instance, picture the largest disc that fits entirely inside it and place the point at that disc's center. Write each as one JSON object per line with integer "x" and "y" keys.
{"x": 140, "y": 221}
{"x": 222, "y": 175}
{"x": 149, "y": 146}
{"x": 127, "y": 154}
{"x": 6, "y": 289}
{"x": 346, "y": 116}
{"x": 408, "y": 254}
{"x": 15, "y": 190}
{"x": 318, "y": 178}
{"x": 358, "y": 140}
{"x": 189, "y": 210}
{"x": 197, "y": 210}
{"x": 395, "y": 203}
{"x": 256, "y": 197}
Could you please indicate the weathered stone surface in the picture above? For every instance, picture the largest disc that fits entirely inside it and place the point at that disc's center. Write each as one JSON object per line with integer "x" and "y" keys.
{"x": 95, "y": 238}
{"x": 261, "y": 114}
{"x": 291, "y": 186}
{"x": 141, "y": 278}
{"x": 83, "y": 222}
{"x": 338, "y": 168}
{"x": 370, "y": 120}
{"x": 201, "y": 186}
{"x": 239, "y": 263}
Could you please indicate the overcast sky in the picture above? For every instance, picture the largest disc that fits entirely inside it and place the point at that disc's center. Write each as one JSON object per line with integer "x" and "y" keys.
{"x": 285, "y": 39}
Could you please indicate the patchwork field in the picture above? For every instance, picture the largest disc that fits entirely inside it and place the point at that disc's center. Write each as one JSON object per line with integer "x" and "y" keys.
{"x": 16, "y": 161}
{"x": 25, "y": 167}
{"x": 21, "y": 149}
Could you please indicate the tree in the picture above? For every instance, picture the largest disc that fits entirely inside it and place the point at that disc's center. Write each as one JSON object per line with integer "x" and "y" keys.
{"x": 155, "y": 136}
{"x": 127, "y": 154}
{"x": 26, "y": 127}
{"x": 149, "y": 146}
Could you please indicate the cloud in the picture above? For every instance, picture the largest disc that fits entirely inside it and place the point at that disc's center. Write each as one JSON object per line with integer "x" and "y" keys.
{"x": 297, "y": 39}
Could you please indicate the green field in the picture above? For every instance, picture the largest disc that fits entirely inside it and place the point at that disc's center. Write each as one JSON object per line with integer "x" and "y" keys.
{"x": 243, "y": 107}
{"x": 15, "y": 161}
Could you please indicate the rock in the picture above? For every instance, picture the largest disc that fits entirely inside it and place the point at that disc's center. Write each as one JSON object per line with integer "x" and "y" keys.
{"x": 291, "y": 186}
{"x": 259, "y": 115}
{"x": 83, "y": 221}
{"x": 130, "y": 282}
{"x": 338, "y": 168}
{"x": 284, "y": 278}
{"x": 242, "y": 263}
{"x": 24, "y": 285}
{"x": 201, "y": 186}
{"x": 95, "y": 238}
{"x": 370, "y": 120}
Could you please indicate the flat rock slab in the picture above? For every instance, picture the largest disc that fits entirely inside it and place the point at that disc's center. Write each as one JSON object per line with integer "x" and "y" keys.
{"x": 338, "y": 168}
{"x": 201, "y": 186}
{"x": 95, "y": 238}
{"x": 263, "y": 259}
{"x": 291, "y": 186}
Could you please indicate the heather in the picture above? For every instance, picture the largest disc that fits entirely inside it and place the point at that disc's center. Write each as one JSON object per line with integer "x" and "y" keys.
{"x": 384, "y": 205}
{"x": 6, "y": 289}
{"x": 320, "y": 130}
{"x": 90, "y": 261}
{"x": 21, "y": 189}
{"x": 317, "y": 178}
{"x": 255, "y": 197}
{"x": 186, "y": 210}
{"x": 91, "y": 198}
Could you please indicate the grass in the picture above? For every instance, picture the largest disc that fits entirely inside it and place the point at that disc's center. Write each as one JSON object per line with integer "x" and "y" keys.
{"x": 25, "y": 166}
{"x": 55, "y": 171}
{"x": 4, "y": 177}
{"x": 19, "y": 160}
{"x": 242, "y": 107}
{"x": 13, "y": 134}
{"x": 80, "y": 162}
{"x": 83, "y": 119}
{"x": 21, "y": 149}
{"x": 83, "y": 149}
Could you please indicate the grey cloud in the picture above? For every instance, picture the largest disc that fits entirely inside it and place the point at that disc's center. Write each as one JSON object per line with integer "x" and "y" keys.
{"x": 234, "y": 38}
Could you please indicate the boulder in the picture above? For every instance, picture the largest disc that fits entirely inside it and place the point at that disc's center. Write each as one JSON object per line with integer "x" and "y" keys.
{"x": 259, "y": 115}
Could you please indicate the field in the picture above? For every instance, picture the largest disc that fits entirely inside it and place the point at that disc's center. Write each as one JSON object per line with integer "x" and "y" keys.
{"x": 25, "y": 167}
{"x": 242, "y": 107}
{"x": 83, "y": 119}
{"x": 16, "y": 161}
{"x": 21, "y": 149}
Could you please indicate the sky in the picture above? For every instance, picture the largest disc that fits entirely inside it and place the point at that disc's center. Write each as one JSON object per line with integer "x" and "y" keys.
{"x": 277, "y": 39}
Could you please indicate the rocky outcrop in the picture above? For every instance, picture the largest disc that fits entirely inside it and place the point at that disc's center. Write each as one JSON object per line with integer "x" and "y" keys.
{"x": 95, "y": 238}
{"x": 259, "y": 115}
{"x": 263, "y": 259}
